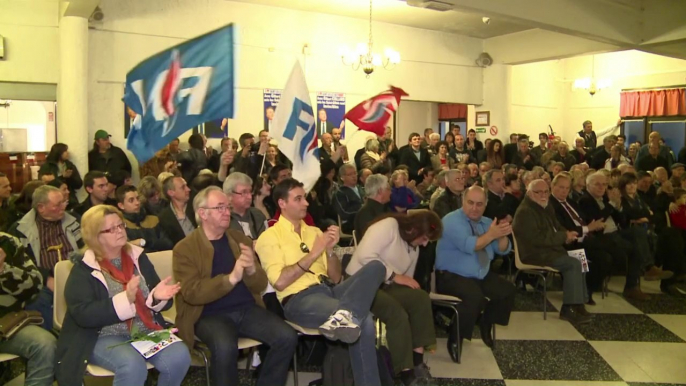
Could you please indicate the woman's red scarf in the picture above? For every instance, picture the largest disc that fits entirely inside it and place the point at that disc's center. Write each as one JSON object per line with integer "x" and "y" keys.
{"x": 123, "y": 276}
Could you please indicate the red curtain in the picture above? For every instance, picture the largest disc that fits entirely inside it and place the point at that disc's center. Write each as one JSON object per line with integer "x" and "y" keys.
{"x": 448, "y": 111}
{"x": 653, "y": 103}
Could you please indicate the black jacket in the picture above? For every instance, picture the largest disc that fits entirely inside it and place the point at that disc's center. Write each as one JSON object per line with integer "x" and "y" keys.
{"x": 74, "y": 182}
{"x": 117, "y": 160}
{"x": 649, "y": 164}
{"x": 348, "y": 203}
{"x": 564, "y": 218}
{"x": 369, "y": 212}
{"x": 171, "y": 226}
{"x": 80, "y": 209}
{"x": 408, "y": 159}
{"x": 518, "y": 159}
{"x": 591, "y": 142}
{"x": 592, "y": 211}
{"x": 581, "y": 158}
{"x": 143, "y": 226}
{"x": 90, "y": 308}
{"x": 447, "y": 202}
{"x": 598, "y": 159}
{"x": 500, "y": 208}
{"x": 192, "y": 162}
{"x": 510, "y": 150}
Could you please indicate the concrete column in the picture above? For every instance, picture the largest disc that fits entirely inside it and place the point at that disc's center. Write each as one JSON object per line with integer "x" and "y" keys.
{"x": 72, "y": 90}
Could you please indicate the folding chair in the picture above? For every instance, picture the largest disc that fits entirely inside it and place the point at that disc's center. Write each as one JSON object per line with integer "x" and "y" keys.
{"x": 451, "y": 303}
{"x": 344, "y": 236}
{"x": 542, "y": 272}
{"x": 301, "y": 332}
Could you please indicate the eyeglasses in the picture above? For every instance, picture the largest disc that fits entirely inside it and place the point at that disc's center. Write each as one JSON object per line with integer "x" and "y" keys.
{"x": 220, "y": 209}
{"x": 242, "y": 194}
{"x": 114, "y": 229}
{"x": 304, "y": 248}
{"x": 546, "y": 192}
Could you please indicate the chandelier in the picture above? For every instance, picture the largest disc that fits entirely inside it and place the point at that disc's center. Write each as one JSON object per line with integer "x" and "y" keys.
{"x": 364, "y": 57}
{"x": 592, "y": 85}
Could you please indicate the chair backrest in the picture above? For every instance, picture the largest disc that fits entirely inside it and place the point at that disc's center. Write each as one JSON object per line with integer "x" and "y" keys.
{"x": 518, "y": 261}
{"x": 62, "y": 270}
{"x": 354, "y": 238}
{"x": 669, "y": 221}
{"x": 163, "y": 263}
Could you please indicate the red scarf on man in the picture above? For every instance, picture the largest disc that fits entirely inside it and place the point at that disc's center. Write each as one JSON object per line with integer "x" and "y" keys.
{"x": 123, "y": 276}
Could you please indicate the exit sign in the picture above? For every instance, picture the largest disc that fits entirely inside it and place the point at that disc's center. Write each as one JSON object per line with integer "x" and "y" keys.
{"x": 480, "y": 130}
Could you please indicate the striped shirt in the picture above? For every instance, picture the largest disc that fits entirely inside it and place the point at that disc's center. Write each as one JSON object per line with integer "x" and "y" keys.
{"x": 54, "y": 244}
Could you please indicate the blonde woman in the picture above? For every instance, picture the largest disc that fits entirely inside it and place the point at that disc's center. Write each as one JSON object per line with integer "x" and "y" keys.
{"x": 371, "y": 159}
{"x": 402, "y": 194}
{"x": 112, "y": 291}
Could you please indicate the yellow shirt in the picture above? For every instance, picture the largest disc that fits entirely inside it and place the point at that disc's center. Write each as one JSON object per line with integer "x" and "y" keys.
{"x": 279, "y": 247}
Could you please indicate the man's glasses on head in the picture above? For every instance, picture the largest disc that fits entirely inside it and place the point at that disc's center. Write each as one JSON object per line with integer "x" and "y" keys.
{"x": 220, "y": 209}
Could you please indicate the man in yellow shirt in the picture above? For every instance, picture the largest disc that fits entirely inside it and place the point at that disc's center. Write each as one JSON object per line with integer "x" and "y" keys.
{"x": 306, "y": 274}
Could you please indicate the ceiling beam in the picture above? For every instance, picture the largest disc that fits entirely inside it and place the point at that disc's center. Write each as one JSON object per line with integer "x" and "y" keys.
{"x": 79, "y": 8}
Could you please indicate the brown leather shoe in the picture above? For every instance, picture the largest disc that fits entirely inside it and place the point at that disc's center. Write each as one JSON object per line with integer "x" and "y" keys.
{"x": 655, "y": 273}
{"x": 636, "y": 293}
{"x": 581, "y": 309}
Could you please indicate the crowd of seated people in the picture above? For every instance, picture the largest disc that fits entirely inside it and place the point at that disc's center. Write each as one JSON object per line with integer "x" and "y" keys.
{"x": 251, "y": 247}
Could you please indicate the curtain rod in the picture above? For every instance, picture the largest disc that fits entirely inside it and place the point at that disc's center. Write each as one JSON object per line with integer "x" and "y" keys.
{"x": 654, "y": 88}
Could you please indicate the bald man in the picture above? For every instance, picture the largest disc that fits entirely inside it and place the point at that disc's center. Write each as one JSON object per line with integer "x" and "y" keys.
{"x": 664, "y": 152}
{"x": 541, "y": 240}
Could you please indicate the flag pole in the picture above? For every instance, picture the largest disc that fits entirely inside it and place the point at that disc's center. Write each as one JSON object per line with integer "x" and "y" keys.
{"x": 264, "y": 156}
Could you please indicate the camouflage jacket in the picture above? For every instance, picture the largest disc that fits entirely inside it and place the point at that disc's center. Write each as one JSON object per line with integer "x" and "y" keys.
{"x": 20, "y": 280}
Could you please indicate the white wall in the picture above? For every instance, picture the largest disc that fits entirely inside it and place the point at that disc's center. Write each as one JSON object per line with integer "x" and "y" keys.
{"x": 32, "y": 116}
{"x": 414, "y": 117}
{"x": 435, "y": 66}
{"x": 527, "y": 98}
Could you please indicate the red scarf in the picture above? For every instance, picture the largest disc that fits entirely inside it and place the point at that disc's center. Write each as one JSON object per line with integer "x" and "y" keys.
{"x": 123, "y": 276}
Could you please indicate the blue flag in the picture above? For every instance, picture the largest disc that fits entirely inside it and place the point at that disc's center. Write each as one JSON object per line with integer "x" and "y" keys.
{"x": 178, "y": 89}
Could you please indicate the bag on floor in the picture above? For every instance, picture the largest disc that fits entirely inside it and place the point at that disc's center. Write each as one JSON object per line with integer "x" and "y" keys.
{"x": 337, "y": 370}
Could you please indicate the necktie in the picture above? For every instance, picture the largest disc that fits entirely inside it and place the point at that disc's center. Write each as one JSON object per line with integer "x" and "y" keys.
{"x": 572, "y": 213}
{"x": 482, "y": 255}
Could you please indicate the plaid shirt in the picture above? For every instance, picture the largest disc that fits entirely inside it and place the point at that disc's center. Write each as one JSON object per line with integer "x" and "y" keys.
{"x": 54, "y": 244}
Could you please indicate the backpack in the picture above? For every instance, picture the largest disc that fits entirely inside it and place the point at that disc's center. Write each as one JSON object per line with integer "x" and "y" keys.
{"x": 337, "y": 371}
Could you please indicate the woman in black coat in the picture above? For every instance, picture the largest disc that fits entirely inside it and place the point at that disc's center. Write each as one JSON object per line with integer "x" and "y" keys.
{"x": 112, "y": 291}
{"x": 57, "y": 163}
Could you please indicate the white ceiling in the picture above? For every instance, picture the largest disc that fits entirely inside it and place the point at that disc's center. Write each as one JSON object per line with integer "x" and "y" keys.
{"x": 400, "y": 13}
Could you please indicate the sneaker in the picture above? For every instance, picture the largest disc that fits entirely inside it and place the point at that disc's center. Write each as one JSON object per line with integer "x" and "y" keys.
{"x": 572, "y": 315}
{"x": 655, "y": 273}
{"x": 340, "y": 326}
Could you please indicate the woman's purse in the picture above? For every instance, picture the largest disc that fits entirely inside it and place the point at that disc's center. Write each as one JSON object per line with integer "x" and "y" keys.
{"x": 11, "y": 323}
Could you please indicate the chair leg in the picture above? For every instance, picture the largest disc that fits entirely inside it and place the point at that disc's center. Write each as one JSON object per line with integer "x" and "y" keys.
{"x": 493, "y": 335}
{"x": 248, "y": 362}
{"x": 545, "y": 296}
{"x": 457, "y": 333}
{"x": 295, "y": 369}
{"x": 207, "y": 366}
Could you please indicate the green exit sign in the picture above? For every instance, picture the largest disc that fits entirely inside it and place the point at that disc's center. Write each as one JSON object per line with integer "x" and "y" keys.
{"x": 480, "y": 130}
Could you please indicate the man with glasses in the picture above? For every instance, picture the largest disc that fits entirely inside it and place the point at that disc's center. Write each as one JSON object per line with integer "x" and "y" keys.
{"x": 219, "y": 301}
{"x": 464, "y": 253}
{"x": 306, "y": 273}
{"x": 244, "y": 217}
{"x": 349, "y": 197}
{"x": 451, "y": 198}
{"x": 49, "y": 235}
{"x": 540, "y": 240}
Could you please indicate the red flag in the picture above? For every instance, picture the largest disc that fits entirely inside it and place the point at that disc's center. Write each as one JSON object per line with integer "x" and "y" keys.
{"x": 373, "y": 114}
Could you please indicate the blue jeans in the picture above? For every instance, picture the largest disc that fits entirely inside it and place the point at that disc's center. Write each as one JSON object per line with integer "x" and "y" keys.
{"x": 128, "y": 365}
{"x": 310, "y": 308}
{"x": 38, "y": 346}
{"x": 43, "y": 304}
{"x": 220, "y": 333}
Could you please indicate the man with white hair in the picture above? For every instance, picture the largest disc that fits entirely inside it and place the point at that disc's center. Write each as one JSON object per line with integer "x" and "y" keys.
{"x": 49, "y": 235}
{"x": 540, "y": 240}
{"x": 244, "y": 217}
{"x": 628, "y": 243}
{"x": 378, "y": 194}
{"x": 219, "y": 300}
{"x": 563, "y": 155}
{"x": 434, "y": 138}
{"x": 451, "y": 198}
{"x": 440, "y": 183}
{"x": 580, "y": 151}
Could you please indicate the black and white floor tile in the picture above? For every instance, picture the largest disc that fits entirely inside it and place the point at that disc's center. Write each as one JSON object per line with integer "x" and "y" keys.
{"x": 629, "y": 343}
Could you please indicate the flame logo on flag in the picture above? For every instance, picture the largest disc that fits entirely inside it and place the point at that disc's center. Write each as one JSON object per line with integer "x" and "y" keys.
{"x": 376, "y": 108}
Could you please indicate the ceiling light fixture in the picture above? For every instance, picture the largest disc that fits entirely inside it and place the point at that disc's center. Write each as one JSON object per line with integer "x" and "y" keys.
{"x": 592, "y": 85}
{"x": 364, "y": 57}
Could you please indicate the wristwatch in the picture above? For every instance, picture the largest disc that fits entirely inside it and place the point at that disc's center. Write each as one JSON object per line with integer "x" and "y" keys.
{"x": 142, "y": 242}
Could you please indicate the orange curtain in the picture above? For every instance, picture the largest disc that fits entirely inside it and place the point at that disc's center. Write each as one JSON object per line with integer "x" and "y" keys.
{"x": 448, "y": 111}
{"x": 653, "y": 103}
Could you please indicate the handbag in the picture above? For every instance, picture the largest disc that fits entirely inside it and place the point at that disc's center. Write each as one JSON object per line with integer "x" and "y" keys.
{"x": 11, "y": 323}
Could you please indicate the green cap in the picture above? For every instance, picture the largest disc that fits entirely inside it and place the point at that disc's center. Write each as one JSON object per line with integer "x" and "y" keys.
{"x": 101, "y": 134}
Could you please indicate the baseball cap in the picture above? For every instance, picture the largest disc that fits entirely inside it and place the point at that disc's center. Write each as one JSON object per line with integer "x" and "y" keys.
{"x": 678, "y": 165}
{"x": 101, "y": 134}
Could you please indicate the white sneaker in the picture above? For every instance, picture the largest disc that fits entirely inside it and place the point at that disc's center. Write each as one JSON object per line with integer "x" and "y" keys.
{"x": 340, "y": 326}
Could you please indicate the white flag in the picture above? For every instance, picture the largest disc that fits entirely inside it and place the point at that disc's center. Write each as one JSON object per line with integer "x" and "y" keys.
{"x": 294, "y": 130}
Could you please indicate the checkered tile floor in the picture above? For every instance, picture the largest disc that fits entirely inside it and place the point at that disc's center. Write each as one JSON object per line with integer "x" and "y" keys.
{"x": 628, "y": 343}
